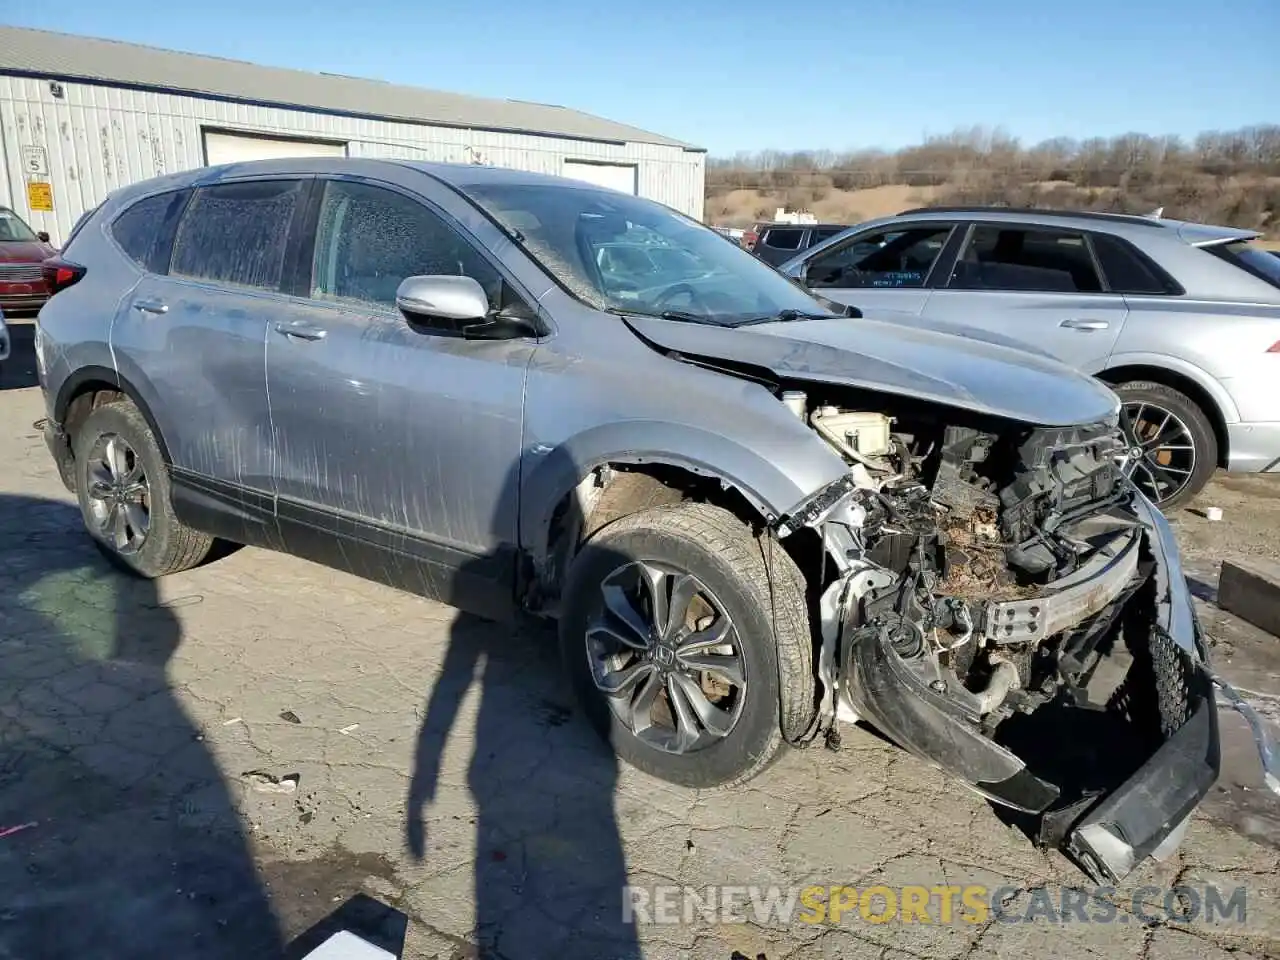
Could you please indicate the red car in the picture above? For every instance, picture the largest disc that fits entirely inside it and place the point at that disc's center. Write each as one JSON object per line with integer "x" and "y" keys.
{"x": 22, "y": 251}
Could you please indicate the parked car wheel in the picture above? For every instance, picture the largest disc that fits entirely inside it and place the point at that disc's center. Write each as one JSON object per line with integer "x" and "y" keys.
{"x": 123, "y": 488}
{"x": 676, "y": 622}
{"x": 1180, "y": 449}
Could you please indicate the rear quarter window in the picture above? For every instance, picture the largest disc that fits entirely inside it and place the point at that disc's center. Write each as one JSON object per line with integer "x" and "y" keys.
{"x": 1128, "y": 270}
{"x": 1251, "y": 258}
{"x": 145, "y": 230}
{"x": 783, "y": 239}
{"x": 236, "y": 233}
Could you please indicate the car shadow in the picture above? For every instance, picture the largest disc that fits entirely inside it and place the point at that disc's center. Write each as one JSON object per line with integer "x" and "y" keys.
{"x": 549, "y": 874}
{"x": 118, "y": 837}
{"x": 19, "y": 371}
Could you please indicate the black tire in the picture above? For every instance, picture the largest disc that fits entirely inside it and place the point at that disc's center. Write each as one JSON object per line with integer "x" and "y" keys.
{"x": 1197, "y": 423}
{"x": 169, "y": 546}
{"x": 762, "y": 592}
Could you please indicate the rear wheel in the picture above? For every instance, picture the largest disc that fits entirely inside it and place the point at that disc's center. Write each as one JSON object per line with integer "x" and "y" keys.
{"x": 683, "y": 635}
{"x": 123, "y": 487}
{"x": 1179, "y": 450}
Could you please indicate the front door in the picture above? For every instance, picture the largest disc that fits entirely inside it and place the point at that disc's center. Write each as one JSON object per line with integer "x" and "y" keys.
{"x": 1037, "y": 285}
{"x": 397, "y": 441}
{"x": 884, "y": 269}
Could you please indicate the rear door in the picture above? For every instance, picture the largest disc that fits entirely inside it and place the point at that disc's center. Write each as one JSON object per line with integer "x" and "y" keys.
{"x": 195, "y": 326}
{"x": 1038, "y": 285}
{"x": 883, "y": 268}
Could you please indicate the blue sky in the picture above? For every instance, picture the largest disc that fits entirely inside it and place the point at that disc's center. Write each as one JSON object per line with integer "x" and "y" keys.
{"x": 756, "y": 74}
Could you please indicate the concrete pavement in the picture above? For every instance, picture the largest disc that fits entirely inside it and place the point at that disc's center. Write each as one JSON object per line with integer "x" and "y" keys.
{"x": 148, "y": 733}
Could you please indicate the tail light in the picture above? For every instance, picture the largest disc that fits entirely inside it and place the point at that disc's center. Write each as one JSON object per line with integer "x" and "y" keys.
{"x": 60, "y": 274}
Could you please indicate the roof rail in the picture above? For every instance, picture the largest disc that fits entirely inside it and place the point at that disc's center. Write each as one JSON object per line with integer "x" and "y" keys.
{"x": 1146, "y": 221}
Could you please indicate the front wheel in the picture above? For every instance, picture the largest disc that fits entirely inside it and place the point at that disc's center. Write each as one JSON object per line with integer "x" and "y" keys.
{"x": 1178, "y": 448}
{"x": 684, "y": 636}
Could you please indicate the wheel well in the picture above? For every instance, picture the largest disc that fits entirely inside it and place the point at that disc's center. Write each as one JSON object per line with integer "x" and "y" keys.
{"x": 92, "y": 387}
{"x": 1183, "y": 384}
{"x": 88, "y": 397}
{"x": 616, "y": 490}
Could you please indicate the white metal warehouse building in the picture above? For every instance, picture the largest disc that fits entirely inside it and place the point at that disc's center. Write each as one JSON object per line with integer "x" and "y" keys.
{"x": 80, "y": 117}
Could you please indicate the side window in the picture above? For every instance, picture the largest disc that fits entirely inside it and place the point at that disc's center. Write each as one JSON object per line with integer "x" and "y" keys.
{"x": 786, "y": 239}
{"x": 1129, "y": 271}
{"x": 145, "y": 230}
{"x": 369, "y": 239}
{"x": 823, "y": 233}
{"x": 889, "y": 258}
{"x": 1015, "y": 258}
{"x": 237, "y": 233}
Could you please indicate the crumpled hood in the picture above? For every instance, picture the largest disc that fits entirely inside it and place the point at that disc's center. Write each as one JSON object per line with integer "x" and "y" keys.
{"x": 906, "y": 356}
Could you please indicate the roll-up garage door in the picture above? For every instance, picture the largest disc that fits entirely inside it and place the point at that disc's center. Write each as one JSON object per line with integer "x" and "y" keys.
{"x": 237, "y": 148}
{"x": 615, "y": 176}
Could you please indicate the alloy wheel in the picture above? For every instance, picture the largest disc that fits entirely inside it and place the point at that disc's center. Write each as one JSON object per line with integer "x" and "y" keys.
{"x": 119, "y": 494}
{"x": 1164, "y": 459}
{"x": 667, "y": 657}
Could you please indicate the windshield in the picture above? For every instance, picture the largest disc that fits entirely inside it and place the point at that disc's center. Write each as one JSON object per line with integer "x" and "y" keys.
{"x": 12, "y": 229}
{"x": 626, "y": 254}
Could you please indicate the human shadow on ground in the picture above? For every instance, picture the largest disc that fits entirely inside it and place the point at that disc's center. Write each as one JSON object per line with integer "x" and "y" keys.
{"x": 549, "y": 872}
{"x": 549, "y": 867}
{"x": 127, "y": 843}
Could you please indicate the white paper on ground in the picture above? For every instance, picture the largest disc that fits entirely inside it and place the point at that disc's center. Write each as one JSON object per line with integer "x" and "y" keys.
{"x": 345, "y": 945}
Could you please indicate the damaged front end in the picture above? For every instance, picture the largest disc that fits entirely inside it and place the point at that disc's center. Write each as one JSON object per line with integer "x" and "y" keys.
{"x": 1008, "y": 606}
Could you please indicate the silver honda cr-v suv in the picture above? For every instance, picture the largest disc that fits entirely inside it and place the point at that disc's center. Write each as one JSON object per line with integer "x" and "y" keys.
{"x": 753, "y": 516}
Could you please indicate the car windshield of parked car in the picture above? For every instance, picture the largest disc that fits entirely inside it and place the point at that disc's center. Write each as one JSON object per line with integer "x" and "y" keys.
{"x": 630, "y": 255}
{"x": 13, "y": 230}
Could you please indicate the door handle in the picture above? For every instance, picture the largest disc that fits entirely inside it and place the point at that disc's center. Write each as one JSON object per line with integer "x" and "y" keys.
{"x": 1085, "y": 324}
{"x": 156, "y": 307}
{"x": 301, "y": 331}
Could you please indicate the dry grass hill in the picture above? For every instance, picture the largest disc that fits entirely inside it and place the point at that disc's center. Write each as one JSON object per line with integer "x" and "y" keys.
{"x": 1223, "y": 177}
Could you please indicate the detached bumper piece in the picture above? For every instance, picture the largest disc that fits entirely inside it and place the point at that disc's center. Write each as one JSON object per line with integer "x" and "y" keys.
{"x": 1147, "y": 815}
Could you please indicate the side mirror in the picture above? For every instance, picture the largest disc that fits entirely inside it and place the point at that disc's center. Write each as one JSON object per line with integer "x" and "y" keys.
{"x": 43, "y": 236}
{"x": 442, "y": 298}
{"x": 460, "y": 299}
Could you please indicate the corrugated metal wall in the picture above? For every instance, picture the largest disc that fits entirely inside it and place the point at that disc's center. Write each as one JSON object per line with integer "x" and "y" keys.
{"x": 99, "y": 138}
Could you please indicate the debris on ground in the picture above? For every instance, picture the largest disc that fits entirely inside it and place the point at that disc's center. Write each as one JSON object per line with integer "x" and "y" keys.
{"x": 290, "y": 717}
{"x": 10, "y": 831}
{"x": 227, "y": 723}
{"x": 350, "y": 729}
{"x": 264, "y": 782}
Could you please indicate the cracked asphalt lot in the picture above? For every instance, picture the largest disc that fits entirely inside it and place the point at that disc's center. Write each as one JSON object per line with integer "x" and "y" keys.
{"x": 442, "y": 771}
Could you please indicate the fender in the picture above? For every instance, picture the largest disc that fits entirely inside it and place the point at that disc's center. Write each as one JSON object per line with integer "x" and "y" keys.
{"x": 98, "y": 374}
{"x": 550, "y": 474}
{"x": 1202, "y": 378}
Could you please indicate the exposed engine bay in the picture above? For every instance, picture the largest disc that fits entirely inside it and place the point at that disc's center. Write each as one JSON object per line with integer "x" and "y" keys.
{"x": 987, "y": 571}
